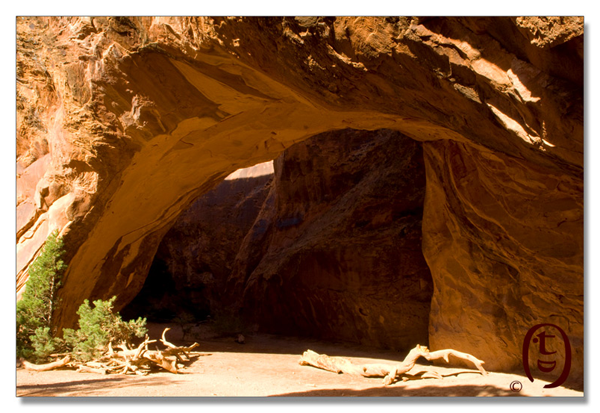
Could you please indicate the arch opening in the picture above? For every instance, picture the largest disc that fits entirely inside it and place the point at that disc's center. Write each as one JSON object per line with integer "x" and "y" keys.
{"x": 328, "y": 246}
{"x": 195, "y": 256}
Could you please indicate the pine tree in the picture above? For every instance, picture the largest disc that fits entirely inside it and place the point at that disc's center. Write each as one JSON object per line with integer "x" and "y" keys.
{"x": 37, "y": 338}
{"x": 35, "y": 335}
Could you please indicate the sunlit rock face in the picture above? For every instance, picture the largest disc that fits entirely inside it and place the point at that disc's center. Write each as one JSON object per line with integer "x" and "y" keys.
{"x": 504, "y": 240}
{"x": 123, "y": 122}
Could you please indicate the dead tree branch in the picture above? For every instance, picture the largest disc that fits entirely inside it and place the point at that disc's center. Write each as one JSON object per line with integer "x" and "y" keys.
{"x": 121, "y": 359}
{"x": 389, "y": 372}
{"x": 48, "y": 366}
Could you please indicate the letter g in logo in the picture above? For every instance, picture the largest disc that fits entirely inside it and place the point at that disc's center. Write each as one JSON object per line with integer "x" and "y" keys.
{"x": 546, "y": 366}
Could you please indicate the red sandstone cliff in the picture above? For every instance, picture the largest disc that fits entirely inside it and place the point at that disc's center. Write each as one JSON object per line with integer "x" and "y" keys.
{"x": 114, "y": 113}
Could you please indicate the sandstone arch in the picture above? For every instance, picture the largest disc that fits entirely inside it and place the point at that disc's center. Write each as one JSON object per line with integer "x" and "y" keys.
{"x": 122, "y": 122}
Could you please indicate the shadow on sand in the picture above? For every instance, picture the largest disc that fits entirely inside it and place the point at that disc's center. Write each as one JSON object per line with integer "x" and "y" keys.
{"x": 405, "y": 391}
{"x": 92, "y": 387}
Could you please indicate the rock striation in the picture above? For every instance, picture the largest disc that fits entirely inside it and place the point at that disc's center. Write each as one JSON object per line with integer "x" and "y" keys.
{"x": 114, "y": 113}
{"x": 504, "y": 242}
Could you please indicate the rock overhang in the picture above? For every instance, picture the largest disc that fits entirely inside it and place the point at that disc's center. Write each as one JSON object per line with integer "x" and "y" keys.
{"x": 141, "y": 115}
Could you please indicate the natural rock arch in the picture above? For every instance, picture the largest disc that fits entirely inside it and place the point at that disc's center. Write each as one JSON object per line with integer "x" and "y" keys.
{"x": 122, "y": 122}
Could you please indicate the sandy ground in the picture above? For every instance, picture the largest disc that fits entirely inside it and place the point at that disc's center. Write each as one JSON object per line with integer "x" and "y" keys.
{"x": 268, "y": 366}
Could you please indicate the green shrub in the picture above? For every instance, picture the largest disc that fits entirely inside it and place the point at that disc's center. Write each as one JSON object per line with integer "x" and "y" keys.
{"x": 35, "y": 336}
{"x": 44, "y": 344}
{"x": 98, "y": 327}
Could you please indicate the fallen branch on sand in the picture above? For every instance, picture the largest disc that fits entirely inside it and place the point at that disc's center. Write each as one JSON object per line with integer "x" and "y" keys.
{"x": 389, "y": 372}
{"x": 122, "y": 359}
{"x": 49, "y": 366}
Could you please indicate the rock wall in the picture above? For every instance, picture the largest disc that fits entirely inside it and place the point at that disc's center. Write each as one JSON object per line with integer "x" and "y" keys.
{"x": 504, "y": 241}
{"x": 194, "y": 259}
{"x": 113, "y": 113}
{"x": 336, "y": 250}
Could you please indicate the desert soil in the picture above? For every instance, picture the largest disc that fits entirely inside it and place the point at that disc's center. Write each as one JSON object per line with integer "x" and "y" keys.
{"x": 267, "y": 365}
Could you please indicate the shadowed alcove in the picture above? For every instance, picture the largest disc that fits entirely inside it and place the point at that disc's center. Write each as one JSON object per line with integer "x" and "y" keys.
{"x": 327, "y": 246}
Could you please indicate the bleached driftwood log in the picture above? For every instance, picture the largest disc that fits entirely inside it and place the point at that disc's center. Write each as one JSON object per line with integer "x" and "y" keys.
{"x": 389, "y": 372}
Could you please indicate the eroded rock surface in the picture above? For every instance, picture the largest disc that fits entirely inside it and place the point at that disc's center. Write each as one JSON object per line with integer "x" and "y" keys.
{"x": 114, "y": 113}
{"x": 504, "y": 240}
{"x": 336, "y": 250}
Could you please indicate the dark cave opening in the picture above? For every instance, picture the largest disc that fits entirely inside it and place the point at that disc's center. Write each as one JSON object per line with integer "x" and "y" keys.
{"x": 161, "y": 301}
{"x": 187, "y": 278}
{"x": 329, "y": 246}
